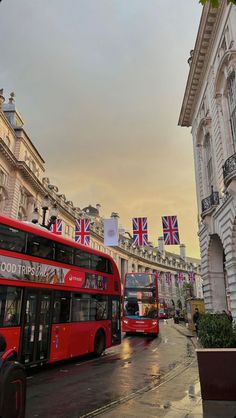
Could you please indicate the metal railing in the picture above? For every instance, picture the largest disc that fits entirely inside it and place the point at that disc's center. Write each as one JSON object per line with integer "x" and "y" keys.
{"x": 229, "y": 169}
{"x": 210, "y": 202}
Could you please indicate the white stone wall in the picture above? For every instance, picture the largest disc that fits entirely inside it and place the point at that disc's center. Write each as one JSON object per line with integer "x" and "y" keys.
{"x": 206, "y": 109}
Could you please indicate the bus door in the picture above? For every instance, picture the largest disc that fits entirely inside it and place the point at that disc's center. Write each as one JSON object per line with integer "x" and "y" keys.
{"x": 36, "y": 326}
{"x": 115, "y": 320}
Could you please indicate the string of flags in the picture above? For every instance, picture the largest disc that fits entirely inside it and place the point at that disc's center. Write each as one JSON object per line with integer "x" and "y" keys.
{"x": 140, "y": 238}
{"x": 111, "y": 231}
{"x": 179, "y": 277}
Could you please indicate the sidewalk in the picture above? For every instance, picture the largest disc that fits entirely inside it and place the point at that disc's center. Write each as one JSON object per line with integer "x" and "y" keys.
{"x": 177, "y": 396}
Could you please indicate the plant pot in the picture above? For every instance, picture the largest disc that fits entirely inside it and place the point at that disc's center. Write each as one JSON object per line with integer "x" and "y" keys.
{"x": 217, "y": 373}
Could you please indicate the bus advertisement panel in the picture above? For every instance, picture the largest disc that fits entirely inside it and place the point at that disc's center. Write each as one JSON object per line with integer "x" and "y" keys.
{"x": 140, "y": 303}
{"x": 58, "y": 299}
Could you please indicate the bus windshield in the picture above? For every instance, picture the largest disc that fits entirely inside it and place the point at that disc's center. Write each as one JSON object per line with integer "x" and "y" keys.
{"x": 140, "y": 304}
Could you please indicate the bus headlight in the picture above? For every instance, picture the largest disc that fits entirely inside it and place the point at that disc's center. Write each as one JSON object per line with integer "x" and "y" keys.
{"x": 154, "y": 323}
{"x": 126, "y": 322}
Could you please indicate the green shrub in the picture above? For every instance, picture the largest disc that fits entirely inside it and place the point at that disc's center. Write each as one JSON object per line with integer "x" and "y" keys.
{"x": 216, "y": 331}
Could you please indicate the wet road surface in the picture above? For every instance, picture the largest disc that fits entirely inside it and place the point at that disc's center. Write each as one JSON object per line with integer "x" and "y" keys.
{"x": 76, "y": 388}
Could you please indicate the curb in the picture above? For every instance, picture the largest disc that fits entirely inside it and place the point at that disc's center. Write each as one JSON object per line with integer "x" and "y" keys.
{"x": 182, "y": 330}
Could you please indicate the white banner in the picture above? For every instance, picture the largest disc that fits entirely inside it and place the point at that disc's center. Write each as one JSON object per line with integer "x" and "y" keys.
{"x": 111, "y": 234}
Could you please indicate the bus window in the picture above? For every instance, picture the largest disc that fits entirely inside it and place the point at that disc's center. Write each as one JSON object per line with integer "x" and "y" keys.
{"x": 61, "y": 307}
{"x": 40, "y": 247}
{"x": 10, "y": 305}
{"x": 82, "y": 259}
{"x": 101, "y": 264}
{"x": 64, "y": 254}
{"x": 12, "y": 239}
{"x": 99, "y": 307}
{"x": 80, "y": 307}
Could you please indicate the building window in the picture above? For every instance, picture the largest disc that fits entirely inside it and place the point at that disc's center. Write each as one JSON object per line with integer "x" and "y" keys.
{"x": 67, "y": 229}
{"x": 3, "y": 178}
{"x": 7, "y": 141}
{"x": 209, "y": 167}
{"x": 232, "y": 103}
{"x": 23, "y": 203}
{"x": 23, "y": 197}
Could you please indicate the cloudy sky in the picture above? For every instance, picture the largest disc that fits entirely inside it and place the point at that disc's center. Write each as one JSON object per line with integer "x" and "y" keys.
{"x": 99, "y": 84}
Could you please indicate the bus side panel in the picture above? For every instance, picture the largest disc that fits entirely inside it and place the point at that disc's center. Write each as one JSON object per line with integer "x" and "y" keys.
{"x": 12, "y": 336}
{"x": 79, "y": 338}
{"x": 60, "y": 340}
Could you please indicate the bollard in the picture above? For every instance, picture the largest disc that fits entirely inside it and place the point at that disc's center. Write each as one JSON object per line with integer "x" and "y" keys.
{"x": 12, "y": 386}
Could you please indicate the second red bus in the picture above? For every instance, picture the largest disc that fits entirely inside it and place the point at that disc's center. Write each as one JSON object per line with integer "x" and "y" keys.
{"x": 140, "y": 304}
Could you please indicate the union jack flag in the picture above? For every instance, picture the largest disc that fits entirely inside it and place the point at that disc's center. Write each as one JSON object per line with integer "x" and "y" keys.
{"x": 140, "y": 232}
{"x": 82, "y": 231}
{"x": 170, "y": 230}
{"x": 56, "y": 227}
{"x": 191, "y": 277}
{"x": 168, "y": 277}
{"x": 180, "y": 277}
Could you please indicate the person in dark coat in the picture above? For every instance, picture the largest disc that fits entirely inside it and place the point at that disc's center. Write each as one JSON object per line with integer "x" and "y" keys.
{"x": 196, "y": 319}
{"x": 229, "y": 315}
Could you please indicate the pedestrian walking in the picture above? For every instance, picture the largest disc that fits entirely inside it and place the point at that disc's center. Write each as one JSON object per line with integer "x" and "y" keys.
{"x": 196, "y": 319}
{"x": 229, "y": 315}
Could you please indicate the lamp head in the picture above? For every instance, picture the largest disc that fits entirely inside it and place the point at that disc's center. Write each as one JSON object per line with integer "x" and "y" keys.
{"x": 35, "y": 216}
{"x": 54, "y": 212}
{"x": 45, "y": 202}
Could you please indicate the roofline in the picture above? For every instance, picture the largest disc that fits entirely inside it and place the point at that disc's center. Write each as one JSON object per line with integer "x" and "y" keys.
{"x": 31, "y": 143}
{"x": 203, "y": 47}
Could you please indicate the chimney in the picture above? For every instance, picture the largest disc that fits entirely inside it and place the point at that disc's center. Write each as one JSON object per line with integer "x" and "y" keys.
{"x": 182, "y": 249}
{"x": 161, "y": 244}
{"x": 2, "y": 99}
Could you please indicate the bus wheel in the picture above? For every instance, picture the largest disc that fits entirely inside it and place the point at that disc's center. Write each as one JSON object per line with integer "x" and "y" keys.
{"x": 154, "y": 334}
{"x": 99, "y": 343}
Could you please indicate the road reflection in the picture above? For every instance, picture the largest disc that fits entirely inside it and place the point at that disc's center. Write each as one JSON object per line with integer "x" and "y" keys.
{"x": 75, "y": 387}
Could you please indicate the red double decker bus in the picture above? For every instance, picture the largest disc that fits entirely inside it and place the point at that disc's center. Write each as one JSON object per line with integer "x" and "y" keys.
{"x": 58, "y": 299}
{"x": 140, "y": 303}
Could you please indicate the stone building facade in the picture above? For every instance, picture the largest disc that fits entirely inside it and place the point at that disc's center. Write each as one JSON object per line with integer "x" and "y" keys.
{"x": 24, "y": 184}
{"x": 209, "y": 107}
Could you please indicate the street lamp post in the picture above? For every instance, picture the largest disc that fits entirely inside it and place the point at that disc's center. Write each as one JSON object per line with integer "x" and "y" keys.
{"x": 45, "y": 207}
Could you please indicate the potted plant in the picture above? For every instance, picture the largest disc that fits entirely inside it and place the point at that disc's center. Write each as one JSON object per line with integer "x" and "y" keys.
{"x": 217, "y": 358}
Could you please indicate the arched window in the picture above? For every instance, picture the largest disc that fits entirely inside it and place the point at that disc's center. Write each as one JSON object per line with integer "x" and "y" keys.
{"x": 231, "y": 84}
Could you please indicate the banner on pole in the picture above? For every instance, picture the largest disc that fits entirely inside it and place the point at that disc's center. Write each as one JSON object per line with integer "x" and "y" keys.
{"x": 111, "y": 233}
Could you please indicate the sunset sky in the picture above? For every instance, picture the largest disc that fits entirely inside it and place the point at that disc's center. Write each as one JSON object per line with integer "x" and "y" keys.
{"x": 99, "y": 84}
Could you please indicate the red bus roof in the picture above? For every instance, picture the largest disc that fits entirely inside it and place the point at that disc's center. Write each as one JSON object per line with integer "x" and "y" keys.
{"x": 44, "y": 232}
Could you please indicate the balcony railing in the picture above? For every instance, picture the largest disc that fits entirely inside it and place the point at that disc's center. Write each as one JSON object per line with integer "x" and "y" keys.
{"x": 210, "y": 203}
{"x": 229, "y": 169}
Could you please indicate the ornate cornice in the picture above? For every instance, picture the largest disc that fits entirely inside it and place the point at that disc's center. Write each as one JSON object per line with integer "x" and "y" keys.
{"x": 209, "y": 23}
{"x": 26, "y": 172}
{"x": 4, "y": 150}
